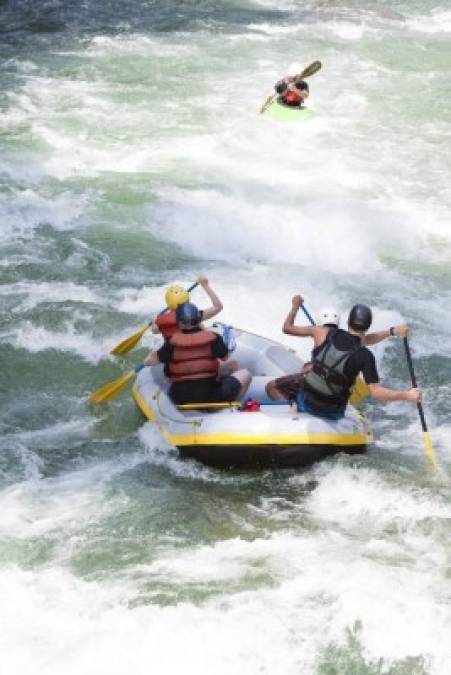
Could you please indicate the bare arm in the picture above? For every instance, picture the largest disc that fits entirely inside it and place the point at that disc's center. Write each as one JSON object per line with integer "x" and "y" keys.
{"x": 373, "y": 338}
{"x": 217, "y": 306}
{"x": 154, "y": 327}
{"x": 315, "y": 332}
{"x": 381, "y": 393}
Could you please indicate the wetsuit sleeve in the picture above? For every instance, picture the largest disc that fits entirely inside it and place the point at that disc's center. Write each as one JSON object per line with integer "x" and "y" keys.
{"x": 368, "y": 367}
{"x": 219, "y": 348}
{"x": 164, "y": 353}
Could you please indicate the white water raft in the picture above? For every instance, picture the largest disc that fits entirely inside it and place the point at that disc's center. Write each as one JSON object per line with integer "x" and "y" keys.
{"x": 230, "y": 437}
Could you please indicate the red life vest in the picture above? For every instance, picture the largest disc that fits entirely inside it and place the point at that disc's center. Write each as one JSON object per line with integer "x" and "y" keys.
{"x": 192, "y": 357}
{"x": 167, "y": 324}
{"x": 292, "y": 97}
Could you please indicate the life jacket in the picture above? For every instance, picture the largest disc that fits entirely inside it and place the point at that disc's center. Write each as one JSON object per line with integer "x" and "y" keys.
{"x": 192, "y": 357}
{"x": 325, "y": 385}
{"x": 292, "y": 97}
{"x": 167, "y": 324}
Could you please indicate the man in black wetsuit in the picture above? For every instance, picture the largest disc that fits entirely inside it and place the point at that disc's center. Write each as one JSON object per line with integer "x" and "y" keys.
{"x": 338, "y": 357}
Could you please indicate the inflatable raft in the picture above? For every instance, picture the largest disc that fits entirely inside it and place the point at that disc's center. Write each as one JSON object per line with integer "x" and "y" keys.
{"x": 227, "y": 436}
{"x": 280, "y": 111}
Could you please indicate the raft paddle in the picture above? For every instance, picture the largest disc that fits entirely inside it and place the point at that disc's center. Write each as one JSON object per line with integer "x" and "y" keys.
{"x": 430, "y": 454}
{"x": 130, "y": 342}
{"x": 360, "y": 391}
{"x": 112, "y": 389}
{"x": 307, "y": 72}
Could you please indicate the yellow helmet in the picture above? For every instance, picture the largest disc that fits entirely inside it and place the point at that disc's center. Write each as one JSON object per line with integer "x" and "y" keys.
{"x": 175, "y": 296}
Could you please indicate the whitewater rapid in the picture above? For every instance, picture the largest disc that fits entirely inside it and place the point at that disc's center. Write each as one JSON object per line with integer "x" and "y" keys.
{"x": 133, "y": 156}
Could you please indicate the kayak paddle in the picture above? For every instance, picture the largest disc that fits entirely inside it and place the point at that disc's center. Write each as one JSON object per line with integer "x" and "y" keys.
{"x": 112, "y": 389}
{"x": 430, "y": 454}
{"x": 130, "y": 342}
{"x": 307, "y": 72}
{"x": 360, "y": 390}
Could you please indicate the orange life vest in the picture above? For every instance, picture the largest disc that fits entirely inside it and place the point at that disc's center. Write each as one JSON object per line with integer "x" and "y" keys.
{"x": 167, "y": 324}
{"x": 192, "y": 358}
{"x": 292, "y": 97}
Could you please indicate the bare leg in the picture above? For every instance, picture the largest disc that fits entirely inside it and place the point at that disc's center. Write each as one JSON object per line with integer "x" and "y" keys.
{"x": 273, "y": 392}
{"x": 244, "y": 377}
{"x": 228, "y": 367}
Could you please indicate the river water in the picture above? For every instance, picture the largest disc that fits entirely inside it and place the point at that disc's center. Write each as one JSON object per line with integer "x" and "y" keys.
{"x": 132, "y": 156}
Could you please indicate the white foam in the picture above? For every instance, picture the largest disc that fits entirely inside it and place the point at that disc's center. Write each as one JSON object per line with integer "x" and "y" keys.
{"x": 28, "y": 209}
{"x": 37, "y": 339}
{"x": 360, "y": 501}
{"x": 232, "y": 229}
{"x": 440, "y": 435}
{"x": 78, "y": 427}
{"x": 63, "y": 505}
{"x": 160, "y": 453}
{"x": 439, "y": 21}
{"x": 307, "y": 608}
{"x": 348, "y": 31}
{"x": 31, "y": 462}
{"x": 32, "y": 294}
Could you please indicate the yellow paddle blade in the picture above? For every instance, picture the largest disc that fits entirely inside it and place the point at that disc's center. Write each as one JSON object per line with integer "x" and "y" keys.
{"x": 127, "y": 345}
{"x": 112, "y": 389}
{"x": 359, "y": 392}
{"x": 430, "y": 454}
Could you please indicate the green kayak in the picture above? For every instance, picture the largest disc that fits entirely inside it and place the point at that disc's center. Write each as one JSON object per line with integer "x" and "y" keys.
{"x": 280, "y": 111}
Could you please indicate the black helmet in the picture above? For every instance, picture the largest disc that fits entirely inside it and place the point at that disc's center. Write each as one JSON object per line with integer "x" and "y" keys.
{"x": 301, "y": 85}
{"x": 281, "y": 87}
{"x": 188, "y": 314}
{"x": 360, "y": 317}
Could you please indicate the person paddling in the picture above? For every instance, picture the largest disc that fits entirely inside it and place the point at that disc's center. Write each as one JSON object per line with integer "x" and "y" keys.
{"x": 292, "y": 92}
{"x": 166, "y": 323}
{"x": 192, "y": 358}
{"x": 288, "y": 386}
{"x": 293, "y": 89}
{"x": 338, "y": 357}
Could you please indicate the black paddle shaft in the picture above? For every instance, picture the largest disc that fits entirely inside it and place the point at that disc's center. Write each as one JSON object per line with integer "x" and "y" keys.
{"x": 414, "y": 382}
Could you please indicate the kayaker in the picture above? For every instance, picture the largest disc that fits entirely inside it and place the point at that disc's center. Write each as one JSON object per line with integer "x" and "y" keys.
{"x": 167, "y": 325}
{"x": 192, "y": 358}
{"x": 292, "y": 92}
{"x": 338, "y": 357}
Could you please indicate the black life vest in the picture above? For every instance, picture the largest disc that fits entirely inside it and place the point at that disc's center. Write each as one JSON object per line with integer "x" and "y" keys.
{"x": 192, "y": 357}
{"x": 326, "y": 385}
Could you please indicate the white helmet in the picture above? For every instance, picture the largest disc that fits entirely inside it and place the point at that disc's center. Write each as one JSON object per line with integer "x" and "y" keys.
{"x": 328, "y": 317}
